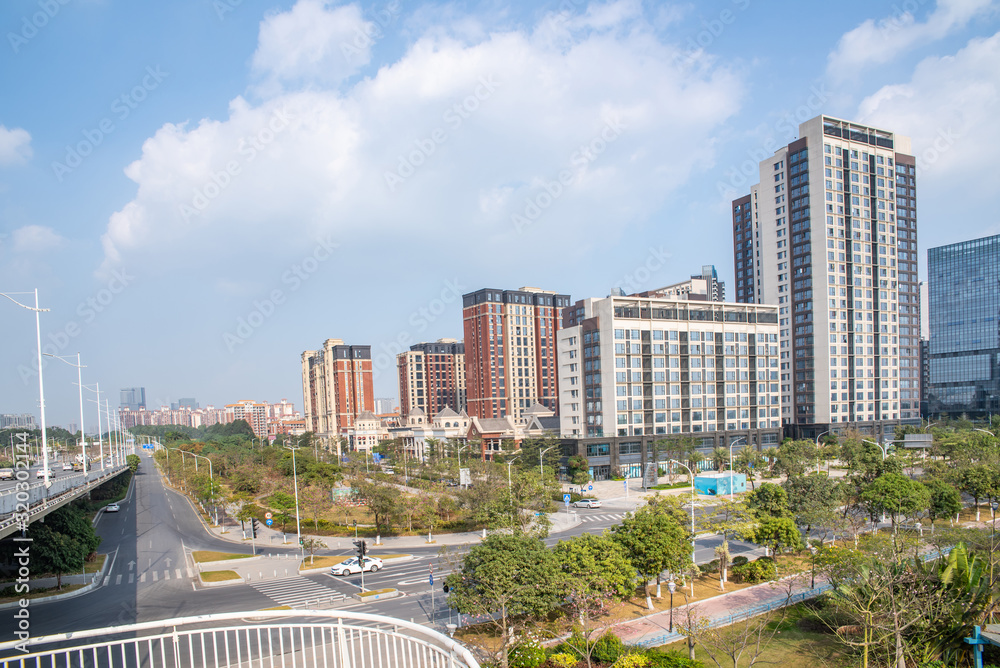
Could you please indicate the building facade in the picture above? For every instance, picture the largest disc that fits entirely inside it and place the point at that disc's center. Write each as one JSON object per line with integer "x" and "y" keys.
{"x": 432, "y": 377}
{"x": 510, "y": 350}
{"x": 646, "y": 367}
{"x": 705, "y": 286}
{"x": 964, "y": 317}
{"x": 17, "y": 421}
{"x": 830, "y": 236}
{"x": 133, "y": 398}
{"x": 254, "y": 413}
{"x": 337, "y": 385}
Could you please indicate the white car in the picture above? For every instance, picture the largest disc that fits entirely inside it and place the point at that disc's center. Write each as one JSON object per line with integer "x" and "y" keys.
{"x": 587, "y": 503}
{"x": 351, "y": 566}
{"x": 112, "y": 508}
{"x": 67, "y": 466}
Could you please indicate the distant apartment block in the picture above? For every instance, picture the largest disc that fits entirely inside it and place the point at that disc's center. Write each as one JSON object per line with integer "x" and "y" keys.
{"x": 188, "y": 403}
{"x": 432, "y": 377}
{"x": 510, "y": 350}
{"x": 705, "y": 286}
{"x": 648, "y": 367}
{"x": 386, "y": 405}
{"x": 964, "y": 318}
{"x": 337, "y": 386}
{"x": 253, "y": 412}
{"x": 829, "y": 235}
{"x": 17, "y": 421}
{"x": 133, "y": 398}
{"x": 199, "y": 417}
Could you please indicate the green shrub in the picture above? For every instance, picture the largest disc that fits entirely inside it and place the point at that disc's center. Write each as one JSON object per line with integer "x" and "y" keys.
{"x": 608, "y": 648}
{"x": 752, "y": 572}
{"x": 737, "y": 561}
{"x": 564, "y": 660}
{"x": 526, "y": 654}
{"x": 659, "y": 658}
{"x": 631, "y": 660}
{"x": 710, "y": 567}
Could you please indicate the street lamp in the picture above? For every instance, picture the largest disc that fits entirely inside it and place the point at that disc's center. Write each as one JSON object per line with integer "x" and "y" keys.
{"x": 100, "y": 434}
{"x": 41, "y": 388}
{"x": 865, "y": 440}
{"x": 691, "y": 473}
{"x": 541, "y": 466}
{"x": 510, "y": 490}
{"x": 731, "y": 444}
{"x": 672, "y": 586}
{"x": 298, "y": 526}
{"x": 986, "y": 431}
{"x": 817, "y": 447}
{"x": 812, "y": 549}
{"x": 79, "y": 383}
{"x": 211, "y": 477}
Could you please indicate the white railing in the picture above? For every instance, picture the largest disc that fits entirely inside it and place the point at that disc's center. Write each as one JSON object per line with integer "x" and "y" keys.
{"x": 260, "y": 639}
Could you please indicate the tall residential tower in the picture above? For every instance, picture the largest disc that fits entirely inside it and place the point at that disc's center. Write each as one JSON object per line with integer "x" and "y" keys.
{"x": 337, "y": 385}
{"x": 432, "y": 377}
{"x": 830, "y": 236}
{"x": 510, "y": 350}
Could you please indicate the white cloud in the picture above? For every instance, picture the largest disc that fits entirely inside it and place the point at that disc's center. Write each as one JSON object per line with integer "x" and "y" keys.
{"x": 877, "y": 42}
{"x": 948, "y": 108}
{"x": 456, "y": 134}
{"x": 36, "y": 239}
{"x": 15, "y": 145}
{"x": 313, "y": 42}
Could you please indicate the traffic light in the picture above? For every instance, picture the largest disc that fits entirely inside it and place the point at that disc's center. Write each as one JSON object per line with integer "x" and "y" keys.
{"x": 446, "y": 589}
{"x": 253, "y": 527}
{"x": 362, "y": 548}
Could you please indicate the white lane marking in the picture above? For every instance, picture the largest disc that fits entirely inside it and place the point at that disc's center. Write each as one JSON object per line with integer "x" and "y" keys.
{"x": 155, "y": 579}
{"x": 177, "y": 574}
{"x": 166, "y": 575}
{"x": 131, "y": 578}
{"x": 142, "y": 578}
{"x": 118, "y": 579}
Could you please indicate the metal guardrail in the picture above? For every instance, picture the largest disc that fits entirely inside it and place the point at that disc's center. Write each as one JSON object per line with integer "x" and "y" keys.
{"x": 38, "y": 499}
{"x": 342, "y": 640}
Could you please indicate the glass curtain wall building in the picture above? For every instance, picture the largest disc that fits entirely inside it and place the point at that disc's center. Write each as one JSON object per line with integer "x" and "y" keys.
{"x": 964, "y": 315}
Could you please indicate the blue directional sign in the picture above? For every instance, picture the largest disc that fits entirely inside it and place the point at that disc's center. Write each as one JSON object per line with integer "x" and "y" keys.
{"x": 377, "y": 457}
{"x": 432, "y": 578}
{"x": 590, "y": 488}
{"x": 268, "y": 522}
{"x": 565, "y": 498}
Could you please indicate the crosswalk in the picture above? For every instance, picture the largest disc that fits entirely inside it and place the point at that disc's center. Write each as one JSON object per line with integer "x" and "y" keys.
{"x": 601, "y": 518}
{"x": 296, "y": 591}
{"x": 150, "y": 576}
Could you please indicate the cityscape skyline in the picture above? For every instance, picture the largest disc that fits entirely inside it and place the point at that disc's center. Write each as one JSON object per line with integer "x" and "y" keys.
{"x": 171, "y": 219}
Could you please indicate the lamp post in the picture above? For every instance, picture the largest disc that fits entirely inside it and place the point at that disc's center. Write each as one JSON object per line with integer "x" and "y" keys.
{"x": 100, "y": 431}
{"x": 812, "y": 584}
{"x": 731, "y": 444}
{"x": 541, "y": 465}
{"x": 817, "y": 447}
{"x": 79, "y": 383}
{"x": 879, "y": 446}
{"x": 298, "y": 526}
{"x": 691, "y": 473}
{"x": 986, "y": 431}
{"x": 672, "y": 586}
{"x": 211, "y": 477}
{"x": 41, "y": 387}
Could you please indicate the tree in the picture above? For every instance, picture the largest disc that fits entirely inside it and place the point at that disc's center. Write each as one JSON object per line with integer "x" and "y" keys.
{"x": 813, "y": 500}
{"x": 777, "y": 533}
{"x": 749, "y": 462}
{"x": 732, "y": 519}
{"x": 945, "y": 501}
{"x": 282, "y": 503}
{"x": 768, "y": 500}
{"x": 133, "y": 462}
{"x": 312, "y": 546}
{"x": 977, "y": 482}
{"x": 578, "y": 470}
{"x": 653, "y": 542}
{"x": 62, "y": 542}
{"x": 896, "y": 496}
{"x": 316, "y": 499}
{"x": 507, "y": 581}
{"x": 382, "y": 500}
{"x": 793, "y": 458}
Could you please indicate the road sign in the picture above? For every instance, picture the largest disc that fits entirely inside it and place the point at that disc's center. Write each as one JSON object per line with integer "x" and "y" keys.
{"x": 590, "y": 488}
{"x": 268, "y": 516}
{"x": 268, "y": 522}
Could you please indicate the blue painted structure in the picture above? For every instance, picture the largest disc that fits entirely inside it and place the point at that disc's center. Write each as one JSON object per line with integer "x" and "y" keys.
{"x": 717, "y": 484}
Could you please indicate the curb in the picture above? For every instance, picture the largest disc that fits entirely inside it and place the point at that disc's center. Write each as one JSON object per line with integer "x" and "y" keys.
{"x": 221, "y": 583}
{"x": 86, "y": 589}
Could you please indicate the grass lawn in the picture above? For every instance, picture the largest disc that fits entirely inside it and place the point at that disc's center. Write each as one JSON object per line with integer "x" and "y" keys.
{"x": 40, "y": 592}
{"x": 326, "y": 561}
{"x": 96, "y": 565}
{"x": 201, "y": 556}
{"x": 219, "y": 576}
{"x": 790, "y": 646}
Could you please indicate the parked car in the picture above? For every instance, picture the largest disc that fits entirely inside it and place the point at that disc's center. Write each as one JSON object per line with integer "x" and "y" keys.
{"x": 6, "y": 474}
{"x": 67, "y": 466}
{"x": 587, "y": 503}
{"x": 351, "y": 566}
{"x": 112, "y": 508}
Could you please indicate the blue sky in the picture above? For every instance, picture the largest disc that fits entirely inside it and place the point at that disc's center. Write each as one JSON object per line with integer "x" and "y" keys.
{"x": 202, "y": 189}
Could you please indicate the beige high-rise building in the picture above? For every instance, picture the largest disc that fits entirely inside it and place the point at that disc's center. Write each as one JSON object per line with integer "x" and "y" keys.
{"x": 829, "y": 235}
{"x": 432, "y": 377}
{"x": 337, "y": 386}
